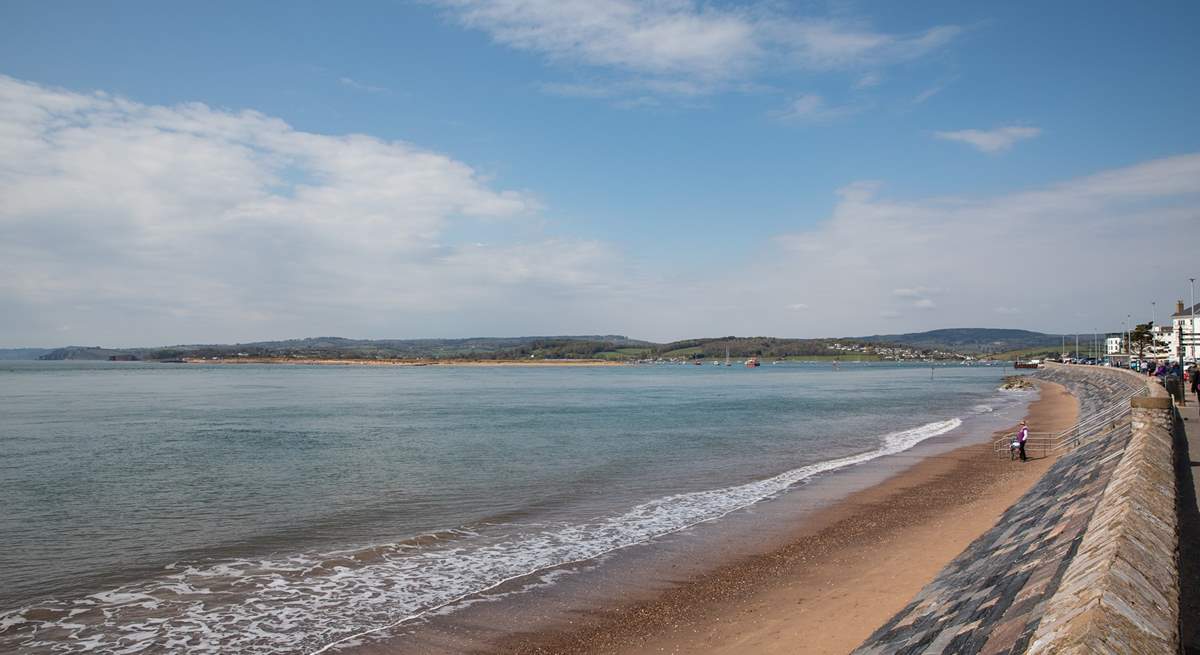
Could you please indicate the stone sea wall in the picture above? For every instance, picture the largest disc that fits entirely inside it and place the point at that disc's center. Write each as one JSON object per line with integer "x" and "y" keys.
{"x": 1120, "y": 593}
{"x": 1009, "y": 589}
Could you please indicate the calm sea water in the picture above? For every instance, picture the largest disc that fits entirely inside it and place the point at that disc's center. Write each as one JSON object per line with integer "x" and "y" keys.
{"x": 280, "y": 509}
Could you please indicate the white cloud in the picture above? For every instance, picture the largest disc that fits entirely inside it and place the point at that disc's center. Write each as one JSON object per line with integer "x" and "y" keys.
{"x": 361, "y": 86}
{"x": 919, "y": 297}
{"x": 868, "y": 80}
{"x": 927, "y": 94}
{"x": 688, "y": 47}
{"x": 916, "y": 292}
{"x": 142, "y": 221}
{"x": 811, "y": 108}
{"x": 139, "y": 224}
{"x": 836, "y": 45}
{"x": 968, "y": 256}
{"x": 991, "y": 141}
{"x": 657, "y": 38}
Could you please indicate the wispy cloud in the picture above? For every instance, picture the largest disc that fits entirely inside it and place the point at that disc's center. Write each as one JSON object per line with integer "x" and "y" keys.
{"x": 811, "y": 108}
{"x": 917, "y": 292}
{"x": 683, "y": 47}
{"x": 927, "y": 94}
{"x": 627, "y": 89}
{"x": 654, "y": 38}
{"x": 975, "y": 259}
{"x": 918, "y": 297}
{"x": 578, "y": 90}
{"x": 830, "y": 45}
{"x": 868, "y": 81}
{"x": 361, "y": 86}
{"x": 991, "y": 141}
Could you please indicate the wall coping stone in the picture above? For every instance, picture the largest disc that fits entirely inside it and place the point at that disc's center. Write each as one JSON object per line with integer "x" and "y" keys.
{"x": 1120, "y": 593}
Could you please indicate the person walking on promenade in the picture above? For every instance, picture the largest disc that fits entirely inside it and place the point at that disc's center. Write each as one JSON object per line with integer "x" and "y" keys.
{"x": 1194, "y": 374}
{"x": 1022, "y": 436}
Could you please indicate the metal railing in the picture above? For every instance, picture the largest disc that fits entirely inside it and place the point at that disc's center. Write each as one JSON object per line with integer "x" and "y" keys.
{"x": 1084, "y": 431}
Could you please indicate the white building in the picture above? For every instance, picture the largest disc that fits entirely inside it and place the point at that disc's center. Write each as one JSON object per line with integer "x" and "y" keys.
{"x": 1164, "y": 346}
{"x": 1185, "y": 325}
{"x": 1114, "y": 345}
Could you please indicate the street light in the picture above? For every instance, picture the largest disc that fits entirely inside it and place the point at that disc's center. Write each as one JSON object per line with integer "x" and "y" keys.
{"x": 1183, "y": 391}
{"x": 1192, "y": 284}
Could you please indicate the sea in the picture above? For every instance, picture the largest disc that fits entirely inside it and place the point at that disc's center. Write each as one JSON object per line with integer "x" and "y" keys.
{"x": 190, "y": 508}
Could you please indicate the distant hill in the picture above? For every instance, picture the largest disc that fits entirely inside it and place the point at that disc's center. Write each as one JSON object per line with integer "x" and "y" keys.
{"x": 769, "y": 347}
{"x": 934, "y": 343}
{"x": 969, "y": 340}
{"x": 85, "y": 353}
{"x": 10, "y": 354}
{"x": 545, "y": 347}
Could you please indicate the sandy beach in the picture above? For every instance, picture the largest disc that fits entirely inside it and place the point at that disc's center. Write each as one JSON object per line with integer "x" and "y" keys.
{"x": 845, "y": 572}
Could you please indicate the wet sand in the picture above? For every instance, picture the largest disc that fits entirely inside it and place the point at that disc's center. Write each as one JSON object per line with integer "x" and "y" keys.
{"x": 847, "y": 570}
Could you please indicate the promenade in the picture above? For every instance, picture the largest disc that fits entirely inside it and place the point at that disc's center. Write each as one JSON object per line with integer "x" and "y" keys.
{"x": 1189, "y": 526}
{"x": 992, "y": 597}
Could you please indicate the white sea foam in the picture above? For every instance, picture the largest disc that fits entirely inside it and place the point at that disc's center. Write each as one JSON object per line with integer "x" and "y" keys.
{"x": 318, "y": 602}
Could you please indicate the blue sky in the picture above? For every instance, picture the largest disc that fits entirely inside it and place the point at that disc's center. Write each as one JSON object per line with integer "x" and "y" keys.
{"x": 661, "y": 169}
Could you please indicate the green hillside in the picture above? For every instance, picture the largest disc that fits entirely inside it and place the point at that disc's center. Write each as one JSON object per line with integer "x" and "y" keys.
{"x": 970, "y": 340}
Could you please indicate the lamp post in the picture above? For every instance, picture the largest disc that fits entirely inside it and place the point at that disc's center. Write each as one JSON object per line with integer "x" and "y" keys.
{"x": 1192, "y": 327}
{"x": 1192, "y": 322}
{"x": 1122, "y": 335}
{"x": 1128, "y": 344}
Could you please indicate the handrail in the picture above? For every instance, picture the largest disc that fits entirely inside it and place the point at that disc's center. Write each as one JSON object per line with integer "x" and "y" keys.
{"x": 1083, "y": 431}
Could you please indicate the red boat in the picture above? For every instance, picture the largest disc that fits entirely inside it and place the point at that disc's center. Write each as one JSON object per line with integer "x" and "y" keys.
{"x": 752, "y": 363}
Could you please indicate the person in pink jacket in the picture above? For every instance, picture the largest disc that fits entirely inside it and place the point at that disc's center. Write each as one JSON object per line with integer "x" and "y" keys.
{"x": 1021, "y": 437}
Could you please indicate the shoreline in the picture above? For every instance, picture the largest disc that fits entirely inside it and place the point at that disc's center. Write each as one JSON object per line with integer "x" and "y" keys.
{"x": 843, "y": 573}
{"x": 305, "y": 361}
{"x": 319, "y": 361}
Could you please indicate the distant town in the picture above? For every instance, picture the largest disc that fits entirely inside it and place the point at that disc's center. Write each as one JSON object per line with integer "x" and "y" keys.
{"x": 1174, "y": 341}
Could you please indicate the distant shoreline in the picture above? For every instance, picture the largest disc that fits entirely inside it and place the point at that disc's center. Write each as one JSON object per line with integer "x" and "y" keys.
{"x": 295, "y": 361}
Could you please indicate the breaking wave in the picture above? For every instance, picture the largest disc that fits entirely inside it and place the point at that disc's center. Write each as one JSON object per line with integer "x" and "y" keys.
{"x": 315, "y": 602}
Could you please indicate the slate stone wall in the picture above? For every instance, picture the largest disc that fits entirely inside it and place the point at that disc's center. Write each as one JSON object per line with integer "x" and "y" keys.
{"x": 1120, "y": 593}
{"x": 993, "y": 598}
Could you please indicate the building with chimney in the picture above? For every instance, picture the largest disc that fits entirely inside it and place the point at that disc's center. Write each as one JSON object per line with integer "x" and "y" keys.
{"x": 1185, "y": 324}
